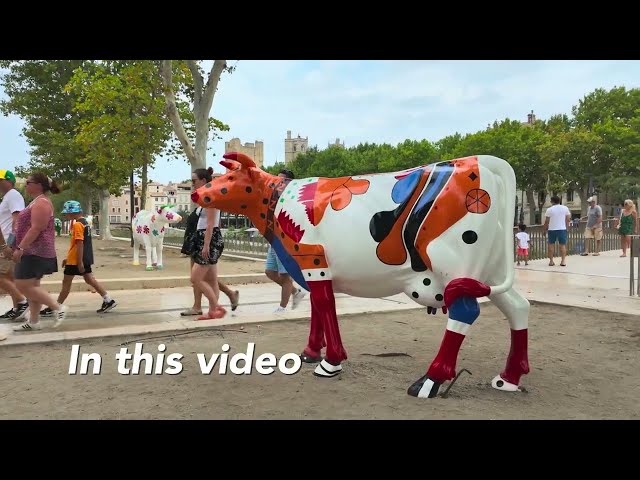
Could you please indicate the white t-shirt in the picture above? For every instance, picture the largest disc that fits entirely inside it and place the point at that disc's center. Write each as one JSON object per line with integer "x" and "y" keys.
{"x": 202, "y": 220}
{"x": 557, "y": 215}
{"x": 524, "y": 239}
{"x": 12, "y": 202}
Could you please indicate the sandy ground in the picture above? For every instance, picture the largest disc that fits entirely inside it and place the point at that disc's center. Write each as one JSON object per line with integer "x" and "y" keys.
{"x": 584, "y": 365}
{"x": 114, "y": 258}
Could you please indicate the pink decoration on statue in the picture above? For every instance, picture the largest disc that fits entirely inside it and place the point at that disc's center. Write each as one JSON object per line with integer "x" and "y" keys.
{"x": 441, "y": 233}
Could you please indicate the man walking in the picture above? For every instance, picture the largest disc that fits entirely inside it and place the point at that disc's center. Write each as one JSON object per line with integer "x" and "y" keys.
{"x": 278, "y": 274}
{"x": 594, "y": 227}
{"x": 556, "y": 225}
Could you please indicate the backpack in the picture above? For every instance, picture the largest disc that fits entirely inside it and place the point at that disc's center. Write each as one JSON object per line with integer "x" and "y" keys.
{"x": 188, "y": 246}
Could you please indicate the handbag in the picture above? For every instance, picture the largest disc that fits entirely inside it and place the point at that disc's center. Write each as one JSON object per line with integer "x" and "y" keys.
{"x": 189, "y": 243}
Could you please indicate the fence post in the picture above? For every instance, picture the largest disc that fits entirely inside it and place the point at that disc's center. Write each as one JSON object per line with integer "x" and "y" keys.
{"x": 633, "y": 254}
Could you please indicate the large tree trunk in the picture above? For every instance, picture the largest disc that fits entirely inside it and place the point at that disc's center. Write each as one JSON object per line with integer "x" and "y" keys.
{"x": 582, "y": 193}
{"x": 531, "y": 201}
{"x": 87, "y": 204}
{"x": 105, "y": 227}
{"x": 202, "y": 102}
{"x": 145, "y": 180}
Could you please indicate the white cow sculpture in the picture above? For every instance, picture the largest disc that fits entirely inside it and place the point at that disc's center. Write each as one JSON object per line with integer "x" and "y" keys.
{"x": 441, "y": 233}
{"x": 148, "y": 230}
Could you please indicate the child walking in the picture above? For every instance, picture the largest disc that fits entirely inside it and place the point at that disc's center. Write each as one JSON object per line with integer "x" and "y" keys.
{"x": 79, "y": 258}
{"x": 522, "y": 238}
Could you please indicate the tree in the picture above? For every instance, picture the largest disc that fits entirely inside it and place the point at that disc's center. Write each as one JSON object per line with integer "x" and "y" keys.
{"x": 35, "y": 91}
{"x": 445, "y": 146}
{"x": 614, "y": 117}
{"x": 201, "y": 97}
{"x": 577, "y": 153}
{"x": 122, "y": 125}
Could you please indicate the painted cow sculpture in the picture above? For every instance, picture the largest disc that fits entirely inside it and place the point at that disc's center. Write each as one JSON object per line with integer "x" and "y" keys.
{"x": 148, "y": 230}
{"x": 441, "y": 233}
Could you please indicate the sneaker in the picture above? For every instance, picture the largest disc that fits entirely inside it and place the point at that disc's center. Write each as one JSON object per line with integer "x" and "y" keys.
{"x": 280, "y": 311}
{"x": 106, "y": 306}
{"x": 46, "y": 312}
{"x": 296, "y": 298}
{"x": 22, "y": 311}
{"x": 27, "y": 326}
{"x": 60, "y": 315}
{"x": 16, "y": 313}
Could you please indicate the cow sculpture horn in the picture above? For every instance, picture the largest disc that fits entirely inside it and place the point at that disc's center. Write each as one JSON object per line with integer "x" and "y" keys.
{"x": 241, "y": 158}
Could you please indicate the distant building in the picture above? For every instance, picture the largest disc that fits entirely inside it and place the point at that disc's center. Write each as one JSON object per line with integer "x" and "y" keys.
{"x": 531, "y": 119}
{"x": 294, "y": 146}
{"x": 254, "y": 150}
{"x": 120, "y": 210}
{"x": 336, "y": 144}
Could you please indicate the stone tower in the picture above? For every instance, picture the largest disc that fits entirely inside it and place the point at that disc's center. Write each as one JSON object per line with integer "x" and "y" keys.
{"x": 294, "y": 146}
{"x": 336, "y": 144}
{"x": 254, "y": 150}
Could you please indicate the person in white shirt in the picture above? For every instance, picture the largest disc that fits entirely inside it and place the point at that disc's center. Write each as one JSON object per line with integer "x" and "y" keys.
{"x": 522, "y": 237}
{"x": 556, "y": 225}
{"x": 12, "y": 203}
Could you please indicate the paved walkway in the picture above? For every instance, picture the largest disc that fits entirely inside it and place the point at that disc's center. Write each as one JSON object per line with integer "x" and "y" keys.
{"x": 600, "y": 283}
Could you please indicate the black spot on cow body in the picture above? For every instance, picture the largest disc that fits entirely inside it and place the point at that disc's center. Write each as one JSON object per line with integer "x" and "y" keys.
{"x": 469, "y": 237}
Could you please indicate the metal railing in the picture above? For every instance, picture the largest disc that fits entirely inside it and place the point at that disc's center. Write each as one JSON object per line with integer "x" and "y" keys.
{"x": 234, "y": 241}
{"x": 575, "y": 240}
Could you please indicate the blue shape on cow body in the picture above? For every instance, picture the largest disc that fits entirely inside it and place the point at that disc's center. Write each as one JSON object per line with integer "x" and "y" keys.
{"x": 403, "y": 189}
{"x": 289, "y": 263}
{"x": 465, "y": 310}
{"x": 441, "y": 174}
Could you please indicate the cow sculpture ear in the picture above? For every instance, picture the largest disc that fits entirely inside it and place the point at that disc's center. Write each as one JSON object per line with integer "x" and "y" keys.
{"x": 228, "y": 165}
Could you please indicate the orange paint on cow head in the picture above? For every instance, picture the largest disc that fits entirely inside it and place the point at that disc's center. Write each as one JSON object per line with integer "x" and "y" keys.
{"x": 244, "y": 189}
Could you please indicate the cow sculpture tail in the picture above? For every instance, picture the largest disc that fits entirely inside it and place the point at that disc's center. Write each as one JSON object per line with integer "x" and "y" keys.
{"x": 507, "y": 178}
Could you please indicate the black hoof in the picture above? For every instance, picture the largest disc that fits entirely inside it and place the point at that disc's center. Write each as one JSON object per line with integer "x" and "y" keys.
{"x": 307, "y": 359}
{"x": 424, "y": 388}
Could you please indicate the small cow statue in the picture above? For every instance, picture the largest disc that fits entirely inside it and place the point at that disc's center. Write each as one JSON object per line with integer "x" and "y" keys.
{"x": 441, "y": 233}
{"x": 148, "y": 229}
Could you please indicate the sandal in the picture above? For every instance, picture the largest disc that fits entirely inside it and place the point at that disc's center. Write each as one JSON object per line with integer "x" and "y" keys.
{"x": 234, "y": 304}
{"x": 219, "y": 312}
{"x": 190, "y": 313}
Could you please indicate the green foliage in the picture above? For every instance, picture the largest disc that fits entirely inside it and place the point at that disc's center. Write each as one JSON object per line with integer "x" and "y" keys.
{"x": 35, "y": 92}
{"x": 122, "y": 125}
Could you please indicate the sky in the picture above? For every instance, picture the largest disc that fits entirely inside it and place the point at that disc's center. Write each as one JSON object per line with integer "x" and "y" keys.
{"x": 374, "y": 101}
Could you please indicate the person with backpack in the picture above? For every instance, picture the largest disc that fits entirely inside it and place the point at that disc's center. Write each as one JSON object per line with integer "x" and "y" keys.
{"x": 190, "y": 245}
{"x": 79, "y": 258}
